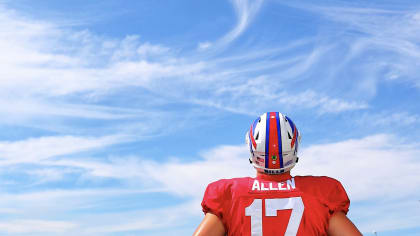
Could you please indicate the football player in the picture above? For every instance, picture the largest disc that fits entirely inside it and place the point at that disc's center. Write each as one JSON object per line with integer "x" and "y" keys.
{"x": 274, "y": 202}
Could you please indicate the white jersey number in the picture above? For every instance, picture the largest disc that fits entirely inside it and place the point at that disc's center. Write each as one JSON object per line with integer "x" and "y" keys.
{"x": 271, "y": 206}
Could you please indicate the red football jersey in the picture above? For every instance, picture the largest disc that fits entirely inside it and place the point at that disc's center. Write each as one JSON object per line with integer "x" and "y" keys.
{"x": 275, "y": 204}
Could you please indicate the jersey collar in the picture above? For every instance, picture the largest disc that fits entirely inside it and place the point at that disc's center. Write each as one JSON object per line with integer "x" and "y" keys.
{"x": 277, "y": 178}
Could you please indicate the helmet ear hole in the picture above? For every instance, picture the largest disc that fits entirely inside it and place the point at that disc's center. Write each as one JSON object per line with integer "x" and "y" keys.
{"x": 290, "y": 137}
{"x": 258, "y": 134}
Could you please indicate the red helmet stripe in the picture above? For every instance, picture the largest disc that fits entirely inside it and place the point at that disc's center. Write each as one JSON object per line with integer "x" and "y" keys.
{"x": 251, "y": 134}
{"x": 273, "y": 153}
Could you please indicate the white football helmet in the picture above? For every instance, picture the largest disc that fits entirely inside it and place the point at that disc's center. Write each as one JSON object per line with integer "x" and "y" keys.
{"x": 273, "y": 141}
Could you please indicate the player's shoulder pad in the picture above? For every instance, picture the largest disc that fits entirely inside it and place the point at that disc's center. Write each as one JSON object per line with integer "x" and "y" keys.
{"x": 223, "y": 185}
{"x": 333, "y": 193}
{"x": 320, "y": 180}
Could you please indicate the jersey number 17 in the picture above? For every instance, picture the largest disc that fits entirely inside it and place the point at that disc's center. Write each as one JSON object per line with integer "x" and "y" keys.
{"x": 272, "y": 205}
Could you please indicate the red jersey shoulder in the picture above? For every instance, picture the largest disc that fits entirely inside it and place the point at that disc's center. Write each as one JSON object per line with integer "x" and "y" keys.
{"x": 226, "y": 185}
{"x": 328, "y": 190}
{"x": 218, "y": 194}
{"x": 317, "y": 182}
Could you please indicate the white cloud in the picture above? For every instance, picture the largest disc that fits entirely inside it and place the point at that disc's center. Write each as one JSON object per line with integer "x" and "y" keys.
{"x": 78, "y": 210}
{"x": 118, "y": 168}
{"x": 395, "y": 118}
{"x": 130, "y": 48}
{"x": 43, "y": 60}
{"x": 245, "y": 11}
{"x": 61, "y": 199}
{"x": 51, "y": 73}
{"x": 36, "y": 226}
{"x": 173, "y": 176}
{"x": 34, "y": 150}
{"x": 204, "y": 45}
{"x": 379, "y": 215}
{"x": 389, "y": 33}
{"x": 264, "y": 93}
{"x": 311, "y": 99}
{"x": 158, "y": 218}
{"x": 148, "y": 49}
{"x": 221, "y": 162}
{"x": 24, "y": 109}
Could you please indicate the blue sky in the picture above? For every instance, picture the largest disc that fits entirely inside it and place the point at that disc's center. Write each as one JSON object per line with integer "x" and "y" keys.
{"x": 115, "y": 116}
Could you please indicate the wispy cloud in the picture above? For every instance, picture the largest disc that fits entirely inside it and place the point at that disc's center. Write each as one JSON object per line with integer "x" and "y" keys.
{"x": 245, "y": 11}
{"x": 53, "y": 74}
{"x": 388, "y": 33}
{"x": 375, "y": 215}
{"x": 37, "y": 149}
{"x": 391, "y": 118}
{"x": 36, "y": 226}
{"x": 221, "y": 162}
{"x": 81, "y": 211}
{"x": 158, "y": 218}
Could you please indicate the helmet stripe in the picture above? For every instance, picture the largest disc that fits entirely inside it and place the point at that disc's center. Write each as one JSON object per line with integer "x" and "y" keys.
{"x": 294, "y": 139}
{"x": 291, "y": 124}
{"x": 294, "y": 130}
{"x": 274, "y": 162}
{"x": 255, "y": 123}
{"x": 251, "y": 137}
{"x": 250, "y": 141}
{"x": 267, "y": 139}
{"x": 279, "y": 140}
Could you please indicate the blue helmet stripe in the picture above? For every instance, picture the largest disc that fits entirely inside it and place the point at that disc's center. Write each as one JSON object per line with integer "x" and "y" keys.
{"x": 291, "y": 124}
{"x": 279, "y": 140}
{"x": 250, "y": 142}
{"x": 267, "y": 139}
{"x": 293, "y": 130}
{"x": 255, "y": 124}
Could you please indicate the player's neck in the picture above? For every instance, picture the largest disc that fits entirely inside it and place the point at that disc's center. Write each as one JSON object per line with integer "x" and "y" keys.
{"x": 280, "y": 177}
